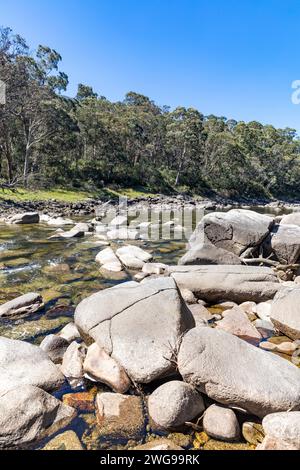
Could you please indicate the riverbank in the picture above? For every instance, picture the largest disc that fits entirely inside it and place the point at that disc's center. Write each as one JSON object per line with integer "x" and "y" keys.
{"x": 62, "y": 202}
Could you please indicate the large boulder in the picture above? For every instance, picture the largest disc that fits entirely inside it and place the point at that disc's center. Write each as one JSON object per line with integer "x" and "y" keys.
{"x": 283, "y": 426}
{"x": 285, "y": 312}
{"x": 207, "y": 253}
{"x": 285, "y": 243}
{"x": 235, "y": 283}
{"x": 133, "y": 257}
{"x": 291, "y": 219}
{"x": 28, "y": 414}
{"x": 24, "y": 219}
{"x": 235, "y": 373}
{"x": 175, "y": 403}
{"x": 24, "y": 364}
{"x": 22, "y": 306}
{"x": 234, "y": 231}
{"x": 138, "y": 325}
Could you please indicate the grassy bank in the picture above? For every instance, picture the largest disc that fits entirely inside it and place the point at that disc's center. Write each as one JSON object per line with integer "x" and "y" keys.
{"x": 68, "y": 195}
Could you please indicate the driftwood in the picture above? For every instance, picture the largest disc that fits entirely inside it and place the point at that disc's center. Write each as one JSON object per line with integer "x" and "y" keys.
{"x": 272, "y": 263}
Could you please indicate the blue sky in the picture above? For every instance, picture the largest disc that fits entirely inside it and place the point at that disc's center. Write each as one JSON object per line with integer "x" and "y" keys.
{"x": 227, "y": 57}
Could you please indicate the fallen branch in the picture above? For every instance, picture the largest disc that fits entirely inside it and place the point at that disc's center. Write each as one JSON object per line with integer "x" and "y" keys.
{"x": 270, "y": 262}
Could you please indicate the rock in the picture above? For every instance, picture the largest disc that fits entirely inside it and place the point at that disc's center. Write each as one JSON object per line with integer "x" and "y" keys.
{"x": 109, "y": 260}
{"x": 70, "y": 333}
{"x": 285, "y": 243}
{"x": 24, "y": 364}
{"x": 237, "y": 323}
{"x": 65, "y": 441}
{"x": 67, "y": 235}
{"x": 138, "y": 325}
{"x": 270, "y": 443}
{"x": 103, "y": 368}
{"x": 120, "y": 221}
{"x": 154, "y": 268}
{"x": 158, "y": 445}
{"x": 133, "y": 257}
{"x": 265, "y": 328}
{"x": 188, "y": 296}
{"x": 263, "y": 310}
{"x": 83, "y": 227}
{"x": 120, "y": 416}
{"x": 200, "y": 314}
{"x": 286, "y": 348}
{"x": 285, "y": 313}
{"x": 253, "y": 433}
{"x": 267, "y": 346}
{"x": 123, "y": 234}
{"x": 235, "y": 373}
{"x": 22, "y": 306}
{"x": 283, "y": 426}
{"x": 233, "y": 231}
{"x": 24, "y": 219}
{"x": 207, "y": 253}
{"x": 55, "y": 221}
{"x": 55, "y": 347}
{"x": 82, "y": 401}
{"x": 221, "y": 423}
{"x": 234, "y": 283}
{"x": 249, "y": 308}
{"x": 28, "y": 414}
{"x": 291, "y": 219}
{"x": 72, "y": 365}
{"x": 175, "y": 403}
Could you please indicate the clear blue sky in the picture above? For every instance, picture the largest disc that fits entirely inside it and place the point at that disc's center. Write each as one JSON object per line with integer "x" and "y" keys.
{"x": 235, "y": 58}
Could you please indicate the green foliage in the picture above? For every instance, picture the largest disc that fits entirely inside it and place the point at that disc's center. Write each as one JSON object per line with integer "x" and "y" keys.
{"x": 49, "y": 140}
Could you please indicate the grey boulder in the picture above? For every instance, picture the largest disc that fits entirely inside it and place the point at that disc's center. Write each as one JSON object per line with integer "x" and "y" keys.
{"x": 24, "y": 219}
{"x": 175, "y": 403}
{"x": 55, "y": 347}
{"x": 285, "y": 312}
{"x": 24, "y": 364}
{"x": 283, "y": 426}
{"x": 28, "y": 414}
{"x": 207, "y": 253}
{"x": 138, "y": 325}
{"x": 291, "y": 219}
{"x": 235, "y": 373}
{"x": 234, "y": 283}
{"x": 285, "y": 243}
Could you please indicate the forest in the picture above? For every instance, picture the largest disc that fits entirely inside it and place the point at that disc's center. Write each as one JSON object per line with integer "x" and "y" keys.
{"x": 48, "y": 139}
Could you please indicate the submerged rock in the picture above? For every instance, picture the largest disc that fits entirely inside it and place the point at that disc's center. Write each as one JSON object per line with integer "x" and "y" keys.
{"x": 66, "y": 441}
{"x": 22, "y": 306}
{"x": 120, "y": 416}
{"x": 28, "y": 414}
{"x": 158, "y": 445}
{"x": 175, "y": 403}
{"x": 138, "y": 325}
{"x": 235, "y": 373}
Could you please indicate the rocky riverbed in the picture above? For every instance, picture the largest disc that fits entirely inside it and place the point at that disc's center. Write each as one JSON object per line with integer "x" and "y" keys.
{"x": 111, "y": 337}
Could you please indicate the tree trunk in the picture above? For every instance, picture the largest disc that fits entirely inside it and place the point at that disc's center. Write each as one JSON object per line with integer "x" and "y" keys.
{"x": 26, "y": 166}
{"x": 180, "y": 165}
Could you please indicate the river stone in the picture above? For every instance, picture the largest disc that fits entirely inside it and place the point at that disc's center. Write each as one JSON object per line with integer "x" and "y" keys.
{"x": 21, "y": 306}
{"x": 24, "y": 219}
{"x": 201, "y": 315}
{"x": 285, "y": 312}
{"x": 66, "y": 441}
{"x": 175, "y": 403}
{"x": 70, "y": 333}
{"x": 221, "y": 423}
{"x": 120, "y": 416}
{"x": 74, "y": 233}
{"x": 55, "y": 347}
{"x": 263, "y": 310}
{"x": 285, "y": 426}
{"x": 119, "y": 221}
{"x": 123, "y": 234}
{"x": 237, "y": 323}
{"x": 270, "y": 443}
{"x": 109, "y": 260}
{"x": 158, "y": 445}
{"x": 234, "y": 231}
{"x": 234, "y": 283}
{"x": 235, "y": 373}
{"x": 154, "y": 268}
{"x": 207, "y": 253}
{"x": 24, "y": 364}
{"x": 285, "y": 243}
{"x": 291, "y": 219}
{"x": 28, "y": 414}
{"x": 133, "y": 257}
{"x": 253, "y": 433}
{"x": 72, "y": 365}
{"x": 103, "y": 368}
{"x": 138, "y": 325}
